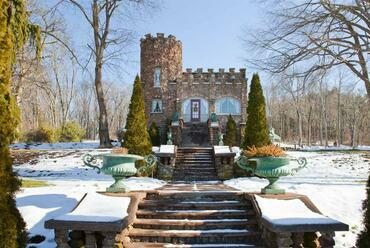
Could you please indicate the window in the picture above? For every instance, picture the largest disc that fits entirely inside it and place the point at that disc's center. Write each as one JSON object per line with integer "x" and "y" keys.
{"x": 157, "y": 77}
{"x": 226, "y": 106}
{"x": 157, "y": 106}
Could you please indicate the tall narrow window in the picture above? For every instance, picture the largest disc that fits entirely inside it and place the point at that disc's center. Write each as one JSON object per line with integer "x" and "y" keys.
{"x": 157, "y": 106}
{"x": 157, "y": 77}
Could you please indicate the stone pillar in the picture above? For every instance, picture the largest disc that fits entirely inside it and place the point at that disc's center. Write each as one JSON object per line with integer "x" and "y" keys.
{"x": 224, "y": 166}
{"x": 212, "y": 106}
{"x": 283, "y": 240}
{"x": 61, "y": 238}
{"x": 327, "y": 240}
{"x": 311, "y": 240}
{"x": 90, "y": 241}
{"x": 109, "y": 239}
{"x": 298, "y": 239}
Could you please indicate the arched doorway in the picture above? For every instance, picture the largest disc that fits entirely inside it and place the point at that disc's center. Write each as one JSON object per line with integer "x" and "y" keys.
{"x": 195, "y": 109}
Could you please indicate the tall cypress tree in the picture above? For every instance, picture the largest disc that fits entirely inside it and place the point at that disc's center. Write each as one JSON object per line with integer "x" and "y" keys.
{"x": 230, "y": 138}
{"x": 136, "y": 138}
{"x": 14, "y": 32}
{"x": 363, "y": 240}
{"x": 256, "y": 132}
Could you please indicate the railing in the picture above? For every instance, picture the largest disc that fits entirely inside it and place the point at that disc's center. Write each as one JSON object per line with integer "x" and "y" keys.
{"x": 187, "y": 117}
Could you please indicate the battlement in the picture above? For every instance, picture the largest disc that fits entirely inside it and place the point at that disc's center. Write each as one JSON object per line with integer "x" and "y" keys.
{"x": 160, "y": 37}
{"x": 199, "y": 75}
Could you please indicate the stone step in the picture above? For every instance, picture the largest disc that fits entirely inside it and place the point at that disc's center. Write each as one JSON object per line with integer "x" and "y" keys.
{"x": 170, "y": 245}
{"x": 196, "y": 169}
{"x": 205, "y": 224}
{"x": 200, "y": 175}
{"x": 214, "y": 236}
{"x": 193, "y": 174}
{"x": 162, "y": 204}
{"x": 185, "y": 165}
{"x": 194, "y": 179}
{"x": 192, "y": 160}
{"x": 195, "y": 158}
{"x": 195, "y": 214}
{"x": 191, "y": 195}
{"x": 199, "y": 154}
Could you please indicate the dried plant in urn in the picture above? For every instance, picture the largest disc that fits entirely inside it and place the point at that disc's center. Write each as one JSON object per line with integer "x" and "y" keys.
{"x": 264, "y": 151}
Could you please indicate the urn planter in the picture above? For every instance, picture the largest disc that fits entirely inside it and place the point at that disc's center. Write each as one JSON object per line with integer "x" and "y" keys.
{"x": 271, "y": 168}
{"x": 119, "y": 166}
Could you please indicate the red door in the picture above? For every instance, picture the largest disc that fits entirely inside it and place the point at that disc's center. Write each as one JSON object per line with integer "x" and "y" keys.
{"x": 195, "y": 110}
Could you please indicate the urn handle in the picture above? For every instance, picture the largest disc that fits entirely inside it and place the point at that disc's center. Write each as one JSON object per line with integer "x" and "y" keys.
{"x": 302, "y": 162}
{"x": 244, "y": 163}
{"x": 92, "y": 161}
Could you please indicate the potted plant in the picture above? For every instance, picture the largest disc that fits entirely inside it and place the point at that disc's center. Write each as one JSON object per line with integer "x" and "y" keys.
{"x": 270, "y": 162}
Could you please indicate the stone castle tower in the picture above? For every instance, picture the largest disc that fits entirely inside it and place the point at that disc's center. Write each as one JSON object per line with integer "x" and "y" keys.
{"x": 193, "y": 94}
{"x": 160, "y": 59}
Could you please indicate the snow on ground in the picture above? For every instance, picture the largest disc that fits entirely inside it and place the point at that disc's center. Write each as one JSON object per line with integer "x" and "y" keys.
{"x": 69, "y": 180}
{"x": 87, "y": 144}
{"x": 334, "y": 181}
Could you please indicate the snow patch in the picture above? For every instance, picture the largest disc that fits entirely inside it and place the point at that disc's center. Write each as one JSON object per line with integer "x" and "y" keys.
{"x": 143, "y": 183}
{"x": 98, "y": 208}
{"x": 222, "y": 149}
{"x": 295, "y": 212}
{"x": 168, "y": 149}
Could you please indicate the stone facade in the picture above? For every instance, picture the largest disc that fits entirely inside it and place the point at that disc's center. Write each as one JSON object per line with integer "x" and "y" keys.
{"x": 168, "y": 89}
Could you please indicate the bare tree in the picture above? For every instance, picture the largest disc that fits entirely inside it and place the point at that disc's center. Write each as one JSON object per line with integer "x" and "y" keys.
{"x": 315, "y": 35}
{"x": 109, "y": 39}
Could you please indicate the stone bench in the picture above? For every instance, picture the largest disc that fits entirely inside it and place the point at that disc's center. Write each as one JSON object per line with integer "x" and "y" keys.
{"x": 97, "y": 217}
{"x": 292, "y": 220}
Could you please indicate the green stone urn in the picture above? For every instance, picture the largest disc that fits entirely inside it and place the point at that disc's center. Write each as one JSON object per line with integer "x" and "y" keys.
{"x": 119, "y": 166}
{"x": 271, "y": 168}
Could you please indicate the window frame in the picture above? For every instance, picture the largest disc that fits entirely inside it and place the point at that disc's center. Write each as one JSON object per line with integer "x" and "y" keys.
{"x": 152, "y": 106}
{"x": 219, "y": 101}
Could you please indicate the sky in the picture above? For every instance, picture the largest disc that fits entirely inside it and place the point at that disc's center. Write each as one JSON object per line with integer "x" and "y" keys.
{"x": 211, "y": 32}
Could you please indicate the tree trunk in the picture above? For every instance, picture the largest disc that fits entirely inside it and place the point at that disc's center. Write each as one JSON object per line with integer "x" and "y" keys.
{"x": 338, "y": 117}
{"x": 103, "y": 117}
{"x": 321, "y": 132}
{"x": 309, "y": 124}
{"x": 300, "y": 133}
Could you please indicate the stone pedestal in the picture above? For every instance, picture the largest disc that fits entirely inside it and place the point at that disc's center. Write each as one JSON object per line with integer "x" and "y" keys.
{"x": 311, "y": 240}
{"x": 213, "y": 129}
{"x": 327, "y": 239}
{"x": 109, "y": 240}
{"x": 61, "y": 238}
{"x": 225, "y": 166}
{"x": 90, "y": 240}
{"x": 176, "y": 133}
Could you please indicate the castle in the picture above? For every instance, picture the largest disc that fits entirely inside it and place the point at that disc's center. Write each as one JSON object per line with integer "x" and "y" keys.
{"x": 193, "y": 95}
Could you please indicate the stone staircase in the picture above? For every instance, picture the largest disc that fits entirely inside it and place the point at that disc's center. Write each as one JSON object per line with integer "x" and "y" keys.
{"x": 204, "y": 216}
{"x": 195, "y": 134}
{"x": 195, "y": 164}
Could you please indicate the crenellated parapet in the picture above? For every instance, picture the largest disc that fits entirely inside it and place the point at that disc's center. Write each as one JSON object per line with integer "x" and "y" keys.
{"x": 211, "y": 76}
{"x": 159, "y": 39}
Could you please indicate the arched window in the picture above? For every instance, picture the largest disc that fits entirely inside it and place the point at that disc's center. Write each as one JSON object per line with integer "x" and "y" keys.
{"x": 228, "y": 105}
